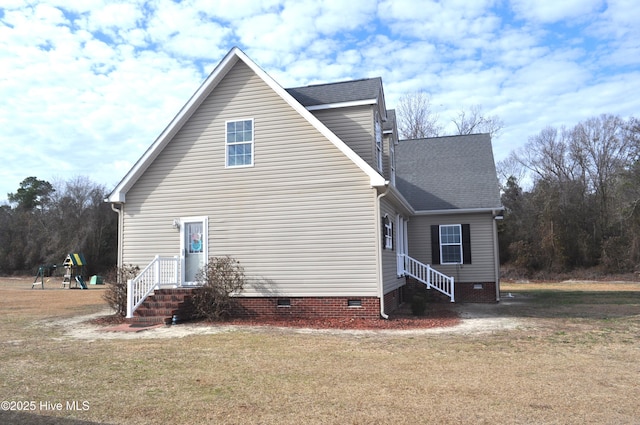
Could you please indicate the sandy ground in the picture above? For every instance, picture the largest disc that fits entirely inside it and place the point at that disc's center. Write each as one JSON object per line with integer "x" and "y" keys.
{"x": 476, "y": 319}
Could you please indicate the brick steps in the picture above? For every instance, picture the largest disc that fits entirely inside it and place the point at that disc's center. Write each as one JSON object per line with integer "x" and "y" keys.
{"x": 162, "y": 305}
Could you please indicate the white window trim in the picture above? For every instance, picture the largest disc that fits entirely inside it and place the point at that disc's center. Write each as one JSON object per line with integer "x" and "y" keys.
{"x": 378, "y": 141}
{"x": 227, "y": 144}
{"x": 183, "y": 247}
{"x": 459, "y": 226}
{"x": 388, "y": 232}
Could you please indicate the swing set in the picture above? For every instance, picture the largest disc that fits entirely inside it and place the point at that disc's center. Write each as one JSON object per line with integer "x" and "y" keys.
{"x": 73, "y": 275}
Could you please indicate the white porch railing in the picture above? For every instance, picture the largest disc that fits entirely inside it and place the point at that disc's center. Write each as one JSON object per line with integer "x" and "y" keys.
{"x": 161, "y": 271}
{"x": 429, "y": 276}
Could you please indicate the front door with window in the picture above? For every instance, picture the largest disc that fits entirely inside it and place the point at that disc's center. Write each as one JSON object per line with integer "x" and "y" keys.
{"x": 403, "y": 242}
{"x": 193, "y": 247}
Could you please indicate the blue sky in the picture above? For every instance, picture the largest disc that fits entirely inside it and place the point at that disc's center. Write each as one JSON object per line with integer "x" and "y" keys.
{"x": 87, "y": 85}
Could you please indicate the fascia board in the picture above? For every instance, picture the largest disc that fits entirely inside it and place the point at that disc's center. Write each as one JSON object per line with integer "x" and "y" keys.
{"x": 494, "y": 211}
{"x": 341, "y": 104}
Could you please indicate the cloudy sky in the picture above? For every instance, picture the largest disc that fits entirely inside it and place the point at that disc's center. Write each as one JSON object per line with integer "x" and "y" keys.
{"x": 87, "y": 85}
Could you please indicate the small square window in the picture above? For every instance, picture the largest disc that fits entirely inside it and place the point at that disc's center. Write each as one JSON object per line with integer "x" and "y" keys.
{"x": 354, "y": 303}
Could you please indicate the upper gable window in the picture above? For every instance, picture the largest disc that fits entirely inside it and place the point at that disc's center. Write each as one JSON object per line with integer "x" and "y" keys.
{"x": 239, "y": 143}
{"x": 378, "y": 138}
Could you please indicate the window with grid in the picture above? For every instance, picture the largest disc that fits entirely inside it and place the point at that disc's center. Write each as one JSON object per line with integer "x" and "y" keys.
{"x": 239, "y": 141}
{"x": 451, "y": 244}
{"x": 378, "y": 137}
{"x": 387, "y": 232}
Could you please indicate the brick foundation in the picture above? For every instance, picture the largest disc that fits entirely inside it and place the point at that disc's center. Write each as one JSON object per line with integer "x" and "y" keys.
{"x": 311, "y": 307}
{"x": 393, "y": 299}
{"x": 480, "y": 292}
{"x": 465, "y": 292}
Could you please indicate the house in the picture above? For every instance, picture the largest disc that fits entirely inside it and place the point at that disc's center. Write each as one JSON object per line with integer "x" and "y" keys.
{"x": 305, "y": 187}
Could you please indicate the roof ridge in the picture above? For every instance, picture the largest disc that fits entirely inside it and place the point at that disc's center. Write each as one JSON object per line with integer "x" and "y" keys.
{"x": 444, "y": 136}
{"x": 335, "y": 83}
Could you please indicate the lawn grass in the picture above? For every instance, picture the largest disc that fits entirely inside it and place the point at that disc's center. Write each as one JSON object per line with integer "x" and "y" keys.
{"x": 574, "y": 360}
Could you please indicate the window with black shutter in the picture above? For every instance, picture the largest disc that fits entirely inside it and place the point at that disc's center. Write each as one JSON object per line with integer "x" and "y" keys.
{"x": 451, "y": 244}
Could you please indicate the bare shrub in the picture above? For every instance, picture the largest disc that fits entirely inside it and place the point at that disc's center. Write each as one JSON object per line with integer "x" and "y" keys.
{"x": 219, "y": 279}
{"x": 116, "y": 292}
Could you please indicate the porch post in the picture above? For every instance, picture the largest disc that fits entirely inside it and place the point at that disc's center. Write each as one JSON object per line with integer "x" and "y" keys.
{"x": 177, "y": 271}
{"x": 129, "y": 299}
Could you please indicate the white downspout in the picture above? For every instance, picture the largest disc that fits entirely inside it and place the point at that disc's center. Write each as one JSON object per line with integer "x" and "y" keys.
{"x": 119, "y": 211}
{"x": 496, "y": 254}
{"x": 380, "y": 271}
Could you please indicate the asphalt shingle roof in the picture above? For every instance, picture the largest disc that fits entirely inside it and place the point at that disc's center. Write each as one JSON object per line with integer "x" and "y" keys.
{"x": 453, "y": 172}
{"x": 346, "y": 91}
{"x": 390, "y": 123}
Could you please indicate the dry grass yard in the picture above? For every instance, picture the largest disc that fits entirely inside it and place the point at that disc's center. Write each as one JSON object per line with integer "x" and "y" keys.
{"x": 573, "y": 357}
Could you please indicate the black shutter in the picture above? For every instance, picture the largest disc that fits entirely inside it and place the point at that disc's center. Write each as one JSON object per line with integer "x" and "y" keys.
{"x": 435, "y": 244}
{"x": 466, "y": 244}
{"x": 384, "y": 241}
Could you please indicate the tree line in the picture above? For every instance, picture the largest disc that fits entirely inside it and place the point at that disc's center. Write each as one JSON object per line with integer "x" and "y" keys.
{"x": 572, "y": 199}
{"x": 44, "y": 222}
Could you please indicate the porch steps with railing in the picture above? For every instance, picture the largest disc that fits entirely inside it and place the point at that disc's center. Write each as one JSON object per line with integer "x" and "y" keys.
{"x": 162, "y": 305}
{"x": 428, "y": 276}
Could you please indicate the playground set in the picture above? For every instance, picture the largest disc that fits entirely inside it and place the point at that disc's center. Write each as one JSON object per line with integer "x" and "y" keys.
{"x": 73, "y": 273}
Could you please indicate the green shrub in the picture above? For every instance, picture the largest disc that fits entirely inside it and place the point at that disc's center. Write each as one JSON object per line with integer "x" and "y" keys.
{"x": 219, "y": 279}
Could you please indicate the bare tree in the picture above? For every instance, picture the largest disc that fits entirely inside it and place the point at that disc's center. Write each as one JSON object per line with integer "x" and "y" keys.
{"x": 547, "y": 155}
{"x": 602, "y": 150}
{"x": 416, "y": 119}
{"x": 474, "y": 121}
{"x": 510, "y": 167}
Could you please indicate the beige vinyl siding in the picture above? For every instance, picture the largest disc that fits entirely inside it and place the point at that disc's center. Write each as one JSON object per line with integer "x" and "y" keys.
{"x": 353, "y": 125}
{"x": 301, "y": 220}
{"x": 482, "y": 267}
{"x": 389, "y": 257}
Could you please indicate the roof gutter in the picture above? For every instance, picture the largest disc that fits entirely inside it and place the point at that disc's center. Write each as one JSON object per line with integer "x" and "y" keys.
{"x": 379, "y": 252}
{"x": 495, "y": 211}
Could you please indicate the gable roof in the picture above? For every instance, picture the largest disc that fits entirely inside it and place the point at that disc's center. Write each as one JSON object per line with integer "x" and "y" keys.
{"x": 389, "y": 126}
{"x": 118, "y": 195}
{"x": 448, "y": 173}
{"x": 364, "y": 91}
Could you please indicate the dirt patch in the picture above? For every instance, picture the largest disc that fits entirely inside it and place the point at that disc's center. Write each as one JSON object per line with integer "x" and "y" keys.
{"x": 451, "y": 322}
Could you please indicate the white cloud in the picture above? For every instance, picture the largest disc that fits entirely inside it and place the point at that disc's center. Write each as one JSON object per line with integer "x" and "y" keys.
{"x": 550, "y": 11}
{"x": 89, "y": 84}
{"x": 458, "y": 23}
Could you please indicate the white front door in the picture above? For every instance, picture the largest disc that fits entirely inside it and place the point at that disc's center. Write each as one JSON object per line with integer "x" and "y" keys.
{"x": 402, "y": 242}
{"x": 193, "y": 247}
